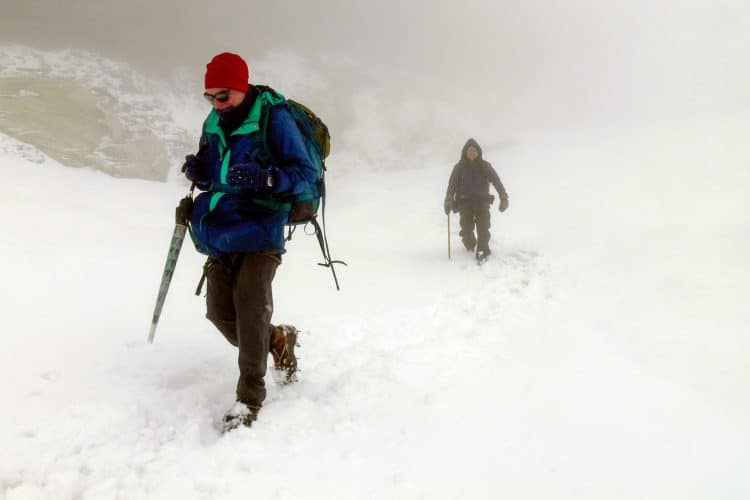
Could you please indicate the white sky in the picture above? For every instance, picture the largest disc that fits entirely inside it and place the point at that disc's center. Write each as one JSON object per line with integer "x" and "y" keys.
{"x": 547, "y": 60}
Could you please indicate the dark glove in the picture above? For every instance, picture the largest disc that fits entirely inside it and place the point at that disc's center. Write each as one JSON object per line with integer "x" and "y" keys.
{"x": 447, "y": 205}
{"x": 183, "y": 210}
{"x": 503, "y": 204}
{"x": 249, "y": 176}
{"x": 195, "y": 170}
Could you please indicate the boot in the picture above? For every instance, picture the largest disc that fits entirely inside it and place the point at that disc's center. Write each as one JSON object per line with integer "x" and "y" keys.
{"x": 483, "y": 255}
{"x": 283, "y": 342}
{"x": 240, "y": 414}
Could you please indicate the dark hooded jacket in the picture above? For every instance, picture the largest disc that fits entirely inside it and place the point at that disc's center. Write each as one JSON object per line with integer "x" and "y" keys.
{"x": 470, "y": 180}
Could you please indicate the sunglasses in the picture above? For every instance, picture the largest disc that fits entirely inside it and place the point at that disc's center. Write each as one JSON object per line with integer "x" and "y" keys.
{"x": 221, "y": 96}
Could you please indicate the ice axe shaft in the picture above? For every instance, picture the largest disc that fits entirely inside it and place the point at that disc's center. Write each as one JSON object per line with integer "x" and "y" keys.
{"x": 178, "y": 236}
{"x": 182, "y": 214}
{"x": 449, "y": 236}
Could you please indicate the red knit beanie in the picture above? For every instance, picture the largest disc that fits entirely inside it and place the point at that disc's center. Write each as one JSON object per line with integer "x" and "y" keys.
{"x": 227, "y": 71}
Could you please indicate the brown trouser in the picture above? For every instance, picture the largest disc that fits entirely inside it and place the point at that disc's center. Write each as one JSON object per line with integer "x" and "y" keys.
{"x": 475, "y": 213}
{"x": 240, "y": 303}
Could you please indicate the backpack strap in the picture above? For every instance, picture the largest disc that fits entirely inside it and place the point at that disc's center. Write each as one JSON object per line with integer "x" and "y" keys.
{"x": 323, "y": 239}
{"x": 259, "y": 139}
{"x": 320, "y": 234}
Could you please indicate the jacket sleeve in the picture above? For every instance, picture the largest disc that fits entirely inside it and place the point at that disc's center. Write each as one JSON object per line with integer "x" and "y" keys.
{"x": 295, "y": 171}
{"x": 495, "y": 180}
{"x": 453, "y": 182}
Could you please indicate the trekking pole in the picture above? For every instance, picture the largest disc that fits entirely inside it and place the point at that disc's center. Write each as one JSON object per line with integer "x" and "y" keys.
{"x": 182, "y": 214}
{"x": 449, "y": 236}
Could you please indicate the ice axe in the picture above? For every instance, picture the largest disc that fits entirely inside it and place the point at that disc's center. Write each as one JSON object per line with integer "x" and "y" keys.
{"x": 182, "y": 216}
{"x": 449, "y": 236}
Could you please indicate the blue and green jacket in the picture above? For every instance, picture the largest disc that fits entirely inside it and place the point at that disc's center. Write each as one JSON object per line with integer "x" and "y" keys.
{"x": 225, "y": 220}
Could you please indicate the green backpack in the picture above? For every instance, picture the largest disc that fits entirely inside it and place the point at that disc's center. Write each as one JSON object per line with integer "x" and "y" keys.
{"x": 304, "y": 207}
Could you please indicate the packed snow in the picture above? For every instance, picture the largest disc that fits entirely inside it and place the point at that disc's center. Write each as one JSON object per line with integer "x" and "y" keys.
{"x": 601, "y": 352}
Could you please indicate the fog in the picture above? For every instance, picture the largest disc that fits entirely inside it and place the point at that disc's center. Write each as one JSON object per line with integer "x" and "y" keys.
{"x": 605, "y": 340}
{"x": 539, "y": 63}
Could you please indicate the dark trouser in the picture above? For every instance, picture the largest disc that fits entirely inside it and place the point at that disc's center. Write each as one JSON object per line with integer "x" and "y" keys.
{"x": 240, "y": 303}
{"x": 475, "y": 213}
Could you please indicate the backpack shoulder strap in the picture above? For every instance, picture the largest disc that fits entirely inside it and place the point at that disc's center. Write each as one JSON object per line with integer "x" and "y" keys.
{"x": 269, "y": 100}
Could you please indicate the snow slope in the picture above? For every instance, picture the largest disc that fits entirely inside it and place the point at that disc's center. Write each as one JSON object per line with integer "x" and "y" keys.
{"x": 601, "y": 353}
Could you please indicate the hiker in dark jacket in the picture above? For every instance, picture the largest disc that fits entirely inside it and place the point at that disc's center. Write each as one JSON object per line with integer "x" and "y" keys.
{"x": 469, "y": 194}
{"x": 239, "y": 220}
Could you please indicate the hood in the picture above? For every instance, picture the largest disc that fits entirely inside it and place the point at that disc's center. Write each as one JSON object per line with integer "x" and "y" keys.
{"x": 471, "y": 142}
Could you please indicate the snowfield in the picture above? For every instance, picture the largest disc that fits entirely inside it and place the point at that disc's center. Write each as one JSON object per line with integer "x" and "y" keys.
{"x": 601, "y": 352}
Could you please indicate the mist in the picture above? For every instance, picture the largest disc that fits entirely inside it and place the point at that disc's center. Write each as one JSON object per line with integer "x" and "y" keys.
{"x": 601, "y": 352}
{"x": 538, "y": 64}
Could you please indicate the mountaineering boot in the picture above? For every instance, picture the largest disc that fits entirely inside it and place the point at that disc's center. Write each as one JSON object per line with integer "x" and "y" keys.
{"x": 240, "y": 414}
{"x": 482, "y": 256}
{"x": 283, "y": 342}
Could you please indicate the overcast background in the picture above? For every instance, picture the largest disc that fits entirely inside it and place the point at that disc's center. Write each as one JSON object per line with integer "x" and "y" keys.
{"x": 548, "y": 63}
